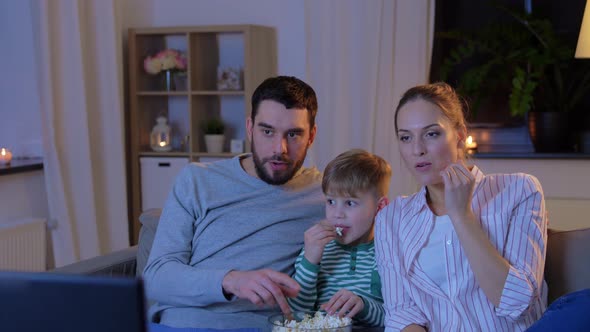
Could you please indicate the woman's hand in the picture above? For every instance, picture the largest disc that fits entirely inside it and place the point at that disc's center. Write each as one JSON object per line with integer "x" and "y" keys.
{"x": 459, "y": 184}
{"x": 344, "y": 302}
{"x": 316, "y": 238}
{"x": 489, "y": 267}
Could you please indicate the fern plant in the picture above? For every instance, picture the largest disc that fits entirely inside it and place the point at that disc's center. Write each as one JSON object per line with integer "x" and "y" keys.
{"x": 526, "y": 57}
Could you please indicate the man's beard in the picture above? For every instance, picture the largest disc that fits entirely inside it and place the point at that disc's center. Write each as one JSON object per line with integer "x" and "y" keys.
{"x": 280, "y": 177}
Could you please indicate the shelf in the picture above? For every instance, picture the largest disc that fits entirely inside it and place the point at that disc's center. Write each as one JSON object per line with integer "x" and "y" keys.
{"x": 163, "y": 93}
{"x": 215, "y": 155}
{"x": 208, "y": 51}
{"x": 217, "y": 93}
{"x": 194, "y": 93}
{"x": 187, "y": 154}
{"x": 21, "y": 166}
{"x": 164, "y": 154}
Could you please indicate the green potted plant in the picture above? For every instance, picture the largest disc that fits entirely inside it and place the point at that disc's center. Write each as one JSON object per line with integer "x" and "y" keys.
{"x": 213, "y": 129}
{"x": 536, "y": 66}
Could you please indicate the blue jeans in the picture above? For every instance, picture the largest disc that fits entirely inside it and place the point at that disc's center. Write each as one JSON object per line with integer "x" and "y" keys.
{"x": 571, "y": 313}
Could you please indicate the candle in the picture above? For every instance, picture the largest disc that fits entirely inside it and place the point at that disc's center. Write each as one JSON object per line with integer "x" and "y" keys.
{"x": 471, "y": 145}
{"x": 5, "y": 156}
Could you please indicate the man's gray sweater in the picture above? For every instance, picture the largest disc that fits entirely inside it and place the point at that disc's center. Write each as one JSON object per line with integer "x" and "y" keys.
{"x": 218, "y": 218}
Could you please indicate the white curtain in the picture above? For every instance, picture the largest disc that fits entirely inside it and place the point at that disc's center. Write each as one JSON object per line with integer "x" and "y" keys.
{"x": 79, "y": 65}
{"x": 361, "y": 57}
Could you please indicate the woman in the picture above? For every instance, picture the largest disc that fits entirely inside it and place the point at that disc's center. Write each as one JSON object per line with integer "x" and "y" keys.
{"x": 466, "y": 252}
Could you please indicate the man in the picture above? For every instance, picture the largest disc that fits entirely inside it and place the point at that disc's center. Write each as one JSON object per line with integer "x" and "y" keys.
{"x": 230, "y": 231}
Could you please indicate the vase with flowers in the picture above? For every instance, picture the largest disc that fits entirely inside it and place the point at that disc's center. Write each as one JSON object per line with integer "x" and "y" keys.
{"x": 166, "y": 63}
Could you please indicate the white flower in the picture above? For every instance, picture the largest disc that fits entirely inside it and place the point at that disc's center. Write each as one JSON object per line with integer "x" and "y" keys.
{"x": 164, "y": 60}
{"x": 152, "y": 65}
{"x": 168, "y": 62}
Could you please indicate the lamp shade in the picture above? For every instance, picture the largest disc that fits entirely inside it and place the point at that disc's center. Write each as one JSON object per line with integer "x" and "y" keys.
{"x": 583, "y": 48}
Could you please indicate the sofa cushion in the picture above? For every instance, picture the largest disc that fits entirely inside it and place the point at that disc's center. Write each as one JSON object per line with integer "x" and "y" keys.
{"x": 567, "y": 268}
{"x": 149, "y": 220}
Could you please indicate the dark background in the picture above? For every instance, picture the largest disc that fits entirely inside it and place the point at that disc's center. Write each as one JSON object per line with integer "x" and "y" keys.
{"x": 566, "y": 16}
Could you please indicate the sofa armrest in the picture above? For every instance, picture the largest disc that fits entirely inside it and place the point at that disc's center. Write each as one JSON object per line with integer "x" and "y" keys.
{"x": 118, "y": 263}
{"x": 567, "y": 267}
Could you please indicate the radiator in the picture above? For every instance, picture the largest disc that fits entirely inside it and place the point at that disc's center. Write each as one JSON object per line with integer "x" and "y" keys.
{"x": 23, "y": 245}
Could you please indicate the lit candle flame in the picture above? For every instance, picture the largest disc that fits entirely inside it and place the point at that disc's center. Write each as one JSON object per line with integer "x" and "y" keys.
{"x": 5, "y": 156}
{"x": 162, "y": 143}
{"x": 470, "y": 144}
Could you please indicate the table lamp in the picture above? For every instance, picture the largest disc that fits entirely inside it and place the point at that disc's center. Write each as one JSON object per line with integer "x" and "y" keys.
{"x": 583, "y": 48}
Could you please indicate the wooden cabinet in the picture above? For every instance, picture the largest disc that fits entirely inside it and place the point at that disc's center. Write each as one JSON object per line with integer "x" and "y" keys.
{"x": 195, "y": 97}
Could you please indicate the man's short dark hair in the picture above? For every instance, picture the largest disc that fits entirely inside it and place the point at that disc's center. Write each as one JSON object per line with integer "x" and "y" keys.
{"x": 289, "y": 91}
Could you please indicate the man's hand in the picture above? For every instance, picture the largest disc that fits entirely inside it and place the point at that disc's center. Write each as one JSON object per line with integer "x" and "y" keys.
{"x": 262, "y": 287}
{"x": 316, "y": 238}
{"x": 344, "y": 302}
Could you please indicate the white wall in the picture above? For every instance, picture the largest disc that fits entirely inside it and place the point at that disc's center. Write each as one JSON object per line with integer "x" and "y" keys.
{"x": 20, "y": 122}
{"x": 23, "y": 195}
{"x": 566, "y": 186}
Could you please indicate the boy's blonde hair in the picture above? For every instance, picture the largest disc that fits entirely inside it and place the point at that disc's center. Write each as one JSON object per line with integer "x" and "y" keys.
{"x": 356, "y": 171}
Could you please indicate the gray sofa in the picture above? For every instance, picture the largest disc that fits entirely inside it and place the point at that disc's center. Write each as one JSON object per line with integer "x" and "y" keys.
{"x": 126, "y": 262}
{"x": 567, "y": 268}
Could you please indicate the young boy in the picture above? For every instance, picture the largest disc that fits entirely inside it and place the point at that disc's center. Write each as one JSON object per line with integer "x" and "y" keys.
{"x": 336, "y": 268}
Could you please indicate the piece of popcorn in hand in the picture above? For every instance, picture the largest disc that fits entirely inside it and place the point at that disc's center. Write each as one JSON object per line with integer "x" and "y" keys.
{"x": 339, "y": 231}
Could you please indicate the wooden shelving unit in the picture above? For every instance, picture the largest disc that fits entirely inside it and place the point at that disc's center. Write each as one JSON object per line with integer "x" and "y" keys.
{"x": 250, "y": 47}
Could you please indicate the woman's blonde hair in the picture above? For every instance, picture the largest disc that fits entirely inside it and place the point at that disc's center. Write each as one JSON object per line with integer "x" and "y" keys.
{"x": 356, "y": 171}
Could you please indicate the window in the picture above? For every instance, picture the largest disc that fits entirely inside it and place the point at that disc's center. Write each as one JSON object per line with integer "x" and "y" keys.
{"x": 490, "y": 116}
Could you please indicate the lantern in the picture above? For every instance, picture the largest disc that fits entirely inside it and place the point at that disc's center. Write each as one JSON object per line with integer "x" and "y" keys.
{"x": 160, "y": 136}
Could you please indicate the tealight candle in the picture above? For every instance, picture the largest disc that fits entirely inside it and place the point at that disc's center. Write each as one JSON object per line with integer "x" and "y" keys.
{"x": 5, "y": 156}
{"x": 471, "y": 144}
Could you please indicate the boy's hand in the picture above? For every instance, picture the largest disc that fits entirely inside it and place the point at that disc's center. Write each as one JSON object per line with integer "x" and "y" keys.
{"x": 345, "y": 303}
{"x": 316, "y": 238}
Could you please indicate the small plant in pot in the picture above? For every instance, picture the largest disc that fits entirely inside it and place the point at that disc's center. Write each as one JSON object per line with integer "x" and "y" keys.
{"x": 213, "y": 129}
